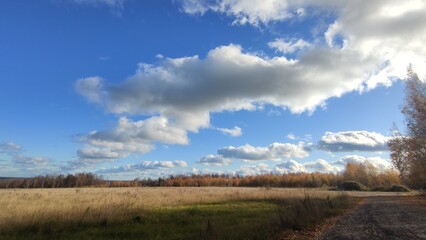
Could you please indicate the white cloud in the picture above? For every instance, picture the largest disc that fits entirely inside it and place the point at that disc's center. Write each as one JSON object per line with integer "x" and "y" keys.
{"x": 272, "y": 152}
{"x": 367, "y": 45}
{"x": 251, "y": 170}
{"x": 378, "y": 162}
{"x": 233, "y": 132}
{"x": 99, "y": 153}
{"x": 10, "y": 147}
{"x": 251, "y": 12}
{"x": 90, "y": 88}
{"x": 131, "y": 137}
{"x": 231, "y": 80}
{"x": 390, "y": 31}
{"x": 214, "y": 160}
{"x": 291, "y": 136}
{"x": 291, "y": 46}
{"x": 289, "y": 166}
{"x": 146, "y": 165}
{"x": 195, "y": 6}
{"x": 15, "y": 153}
{"x": 31, "y": 161}
{"x": 181, "y": 93}
{"x": 353, "y": 141}
{"x": 320, "y": 165}
{"x": 274, "y": 113}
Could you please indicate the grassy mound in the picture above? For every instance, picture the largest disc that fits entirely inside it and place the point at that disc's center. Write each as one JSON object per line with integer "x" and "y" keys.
{"x": 353, "y": 186}
{"x": 398, "y": 188}
{"x": 393, "y": 188}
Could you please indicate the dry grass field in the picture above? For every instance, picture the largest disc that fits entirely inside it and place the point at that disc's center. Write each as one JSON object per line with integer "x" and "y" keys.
{"x": 161, "y": 213}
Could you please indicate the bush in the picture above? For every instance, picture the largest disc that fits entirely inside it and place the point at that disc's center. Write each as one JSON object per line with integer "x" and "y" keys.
{"x": 353, "y": 186}
{"x": 300, "y": 214}
{"x": 393, "y": 188}
{"x": 398, "y": 188}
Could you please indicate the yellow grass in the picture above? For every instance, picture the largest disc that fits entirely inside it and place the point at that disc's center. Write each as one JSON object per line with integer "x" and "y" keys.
{"x": 28, "y": 206}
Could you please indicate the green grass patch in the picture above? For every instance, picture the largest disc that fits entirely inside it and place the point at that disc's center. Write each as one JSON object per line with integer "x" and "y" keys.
{"x": 227, "y": 220}
{"x": 244, "y": 219}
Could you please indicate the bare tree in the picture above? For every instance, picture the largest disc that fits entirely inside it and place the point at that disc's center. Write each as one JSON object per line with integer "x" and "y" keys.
{"x": 408, "y": 152}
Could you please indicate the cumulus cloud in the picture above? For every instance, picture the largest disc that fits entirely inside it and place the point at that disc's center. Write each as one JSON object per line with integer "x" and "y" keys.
{"x": 291, "y": 46}
{"x": 353, "y": 141}
{"x": 146, "y": 165}
{"x": 320, "y": 165}
{"x": 378, "y": 162}
{"x": 368, "y": 44}
{"x": 272, "y": 152}
{"x": 251, "y": 12}
{"x": 90, "y": 88}
{"x": 16, "y": 154}
{"x": 289, "y": 166}
{"x": 30, "y": 161}
{"x": 251, "y": 170}
{"x": 391, "y": 31}
{"x": 214, "y": 160}
{"x": 233, "y": 132}
{"x": 10, "y": 147}
{"x": 100, "y": 153}
{"x": 229, "y": 79}
{"x": 130, "y": 137}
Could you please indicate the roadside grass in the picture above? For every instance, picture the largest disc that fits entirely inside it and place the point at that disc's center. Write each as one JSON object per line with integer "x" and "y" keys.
{"x": 300, "y": 214}
{"x": 124, "y": 216}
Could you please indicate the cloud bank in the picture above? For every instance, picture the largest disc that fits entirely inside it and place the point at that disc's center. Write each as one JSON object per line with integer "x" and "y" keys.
{"x": 215, "y": 160}
{"x": 377, "y": 162}
{"x": 320, "y": 165}
{"x": 368, "y": 44}
{"x": 274, "y": 151}
{"x": 353, "y": 141}
{"x": 16, "y": 153}
{"x": 145, "y": 166}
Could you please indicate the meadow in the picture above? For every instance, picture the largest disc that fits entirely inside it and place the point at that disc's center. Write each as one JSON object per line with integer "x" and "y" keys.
{"x": 164, "y": 213}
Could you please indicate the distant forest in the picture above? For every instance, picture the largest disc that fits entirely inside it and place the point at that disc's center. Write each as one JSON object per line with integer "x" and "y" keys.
{"x": 363, "y": 173}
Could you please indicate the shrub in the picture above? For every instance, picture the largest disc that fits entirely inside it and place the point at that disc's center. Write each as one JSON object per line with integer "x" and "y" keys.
{"x": 393, "y": 188}
{"x": 398, "y": 188}
{"x": 353, "y": 186}
{"x": 307, "y": 212}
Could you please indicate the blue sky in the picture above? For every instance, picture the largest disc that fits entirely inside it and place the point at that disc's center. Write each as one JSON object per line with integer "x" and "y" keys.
{"x": 127, "y": 88}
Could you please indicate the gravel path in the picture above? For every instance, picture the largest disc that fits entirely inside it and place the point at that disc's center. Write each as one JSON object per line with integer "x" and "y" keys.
{"x": 390, "y": 217}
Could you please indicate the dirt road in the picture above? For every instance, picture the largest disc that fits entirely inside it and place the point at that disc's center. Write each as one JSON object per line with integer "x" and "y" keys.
{"x": 383, "y": 217}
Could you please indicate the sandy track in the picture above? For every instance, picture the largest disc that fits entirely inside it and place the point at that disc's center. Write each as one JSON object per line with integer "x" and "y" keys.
{"x": 382, "y": 217}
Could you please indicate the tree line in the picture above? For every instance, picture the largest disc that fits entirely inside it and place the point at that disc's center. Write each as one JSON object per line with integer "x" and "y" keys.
{"x": 53, "y": 181}
{"x": 364, "y": 173}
